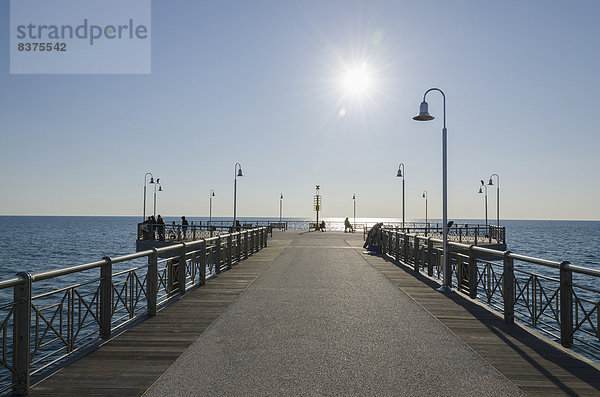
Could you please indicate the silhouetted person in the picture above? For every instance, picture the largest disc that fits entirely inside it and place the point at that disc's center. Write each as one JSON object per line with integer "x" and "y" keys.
{"x": 348, "y": 226}
{"x": 372, "y": 238}
{"x": 151, "y": 226}
{"x": 322, "y": 226}
{"x": 161, "y": 228}
{"x": 184, "y": 225}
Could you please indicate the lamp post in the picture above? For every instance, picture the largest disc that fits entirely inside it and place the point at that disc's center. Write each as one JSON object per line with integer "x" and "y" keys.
{"x": 354, "y": 199}
{"x": 426, "y": 225}
{"x": 280, "y": 208}
{"x": 482, "y": 189}
{"x": 160, "y": 190}
{"x": 151, "y": 181}
{"x": 237, "y": 172}
{"x": 211, "y": 194}
{"x": 497, "y": 197}
{"x": 425, "y": 116}
{"x": 400, "y": 174}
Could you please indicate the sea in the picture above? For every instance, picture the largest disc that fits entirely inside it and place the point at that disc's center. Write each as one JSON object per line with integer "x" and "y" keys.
{"x": 38, "y": 243}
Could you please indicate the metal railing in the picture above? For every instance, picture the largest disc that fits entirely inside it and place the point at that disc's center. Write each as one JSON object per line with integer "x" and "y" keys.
{"x": 559, "y": 299}
{"x": 462, "y": 233}
{"x": 57, "y": 314}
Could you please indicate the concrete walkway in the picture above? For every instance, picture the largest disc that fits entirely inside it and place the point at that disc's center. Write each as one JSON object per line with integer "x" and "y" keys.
{"x": 321, "y": 320}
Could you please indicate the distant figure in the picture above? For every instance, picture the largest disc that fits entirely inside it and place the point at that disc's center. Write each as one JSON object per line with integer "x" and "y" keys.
{"x": 238, "y": 226}
{"x": 152, "y": 222}
{"x": 348, "y": 226}
{"x": 322, "y": 226}
{"x": 161, "y": 228}
{"x": 373, "y": 238}
{"x": 146, "y": 228}
{"x": 184, "y": 226}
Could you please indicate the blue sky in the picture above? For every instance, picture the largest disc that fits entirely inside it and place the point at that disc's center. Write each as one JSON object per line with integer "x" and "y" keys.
{"x": 258, "y": 83}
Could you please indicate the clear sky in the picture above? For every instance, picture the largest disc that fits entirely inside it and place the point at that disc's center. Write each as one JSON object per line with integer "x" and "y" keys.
{"x": 262, "y": 83}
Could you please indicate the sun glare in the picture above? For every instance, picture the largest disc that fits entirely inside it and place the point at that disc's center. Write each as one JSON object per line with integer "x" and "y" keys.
{"x": 357, "y": 81}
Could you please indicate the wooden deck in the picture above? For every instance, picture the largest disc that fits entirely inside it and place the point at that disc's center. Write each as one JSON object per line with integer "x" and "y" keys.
{"x": 130, "y": 363}
{"x": 537, "y": 366}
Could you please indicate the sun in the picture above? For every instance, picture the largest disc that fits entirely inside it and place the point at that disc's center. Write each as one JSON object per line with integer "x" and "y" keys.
{"x": 357, "y": 81}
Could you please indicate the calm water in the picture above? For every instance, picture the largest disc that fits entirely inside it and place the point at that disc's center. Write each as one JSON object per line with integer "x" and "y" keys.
{"x": 36, "y": 243}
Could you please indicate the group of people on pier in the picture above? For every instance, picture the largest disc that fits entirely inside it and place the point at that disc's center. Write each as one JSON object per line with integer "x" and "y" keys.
{"x": 152, "y": 225}
{"x": 156, "y": 226}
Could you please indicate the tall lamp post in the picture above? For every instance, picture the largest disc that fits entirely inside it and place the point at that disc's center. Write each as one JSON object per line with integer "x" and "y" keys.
{"x": 400, "y": 174}
{"x": 211, "y": 194}
{"x": 426, "y": 225}
{"x": 237, "y": 172}
{"x": 354, "y": 199}
{"x": 497, "y": 197}
{"x": 151, "y": 181}
{"x": 425, "y": 116}
{"x": 280, "y": 208}
{"x": 483, "y": 189}
{"x": 160, "y": 190}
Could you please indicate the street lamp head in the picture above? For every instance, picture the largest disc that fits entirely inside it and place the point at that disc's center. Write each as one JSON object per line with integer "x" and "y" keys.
{"x": 281, "y": 197}
{"x": 480, "y": 191}
{"x": 399, "y": 174}
{"x": 240, "y": 172}
{"x": 160, "y": 188}
{"x": 213, "y": 194}
{"x": 482, "y": 183}
{"x": 354, "y": 197}
{"x": 490, "y": 182}
{"x": 152, "y": 180}
{"x": 423, "y": 113}
{"x": 424, "y": 196}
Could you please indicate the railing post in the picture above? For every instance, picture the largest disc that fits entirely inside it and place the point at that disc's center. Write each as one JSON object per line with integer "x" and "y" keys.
{"x": 405, "y": 248}
{"x": 429, "y": 257}
{"x": 203, "y": 262}
{"x": 105, "y": 298}
{"x": 265, "y": 241}
{"x": 218, "y": 253}
{"x": 152, "y": 282}
{"x": 383, "y": 242}
{"x": 181, "y": 269}
{"x": 472, "y": 274}
{"x": 416, "y": 255}
{"x": 22, "y": 334}
{"x": 229, "y": 251}
{"x": 246, "y": 245}
{"x": 397, "y": 248}
{"x": 566, "y": 305}
{"x": 460, "y": 235}
{"x": 476, "y": 233}
{"x": 238, "y": 247}
{"x": 508, "y": 288}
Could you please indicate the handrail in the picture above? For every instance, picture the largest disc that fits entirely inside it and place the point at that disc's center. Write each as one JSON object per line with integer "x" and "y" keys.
{"x": 550, "y": 302}
{"x": 45, "y": 328}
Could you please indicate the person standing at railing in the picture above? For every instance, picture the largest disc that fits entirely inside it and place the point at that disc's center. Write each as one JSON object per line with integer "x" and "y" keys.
{"x": 152, "y": 222}
{"x": 348, "y": 226}
{"x": 184, "y": 226}
{"x": 161, "y": 228}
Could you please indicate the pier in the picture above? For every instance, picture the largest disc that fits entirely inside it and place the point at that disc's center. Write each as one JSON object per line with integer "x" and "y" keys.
{"x": 313, "y": 313}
